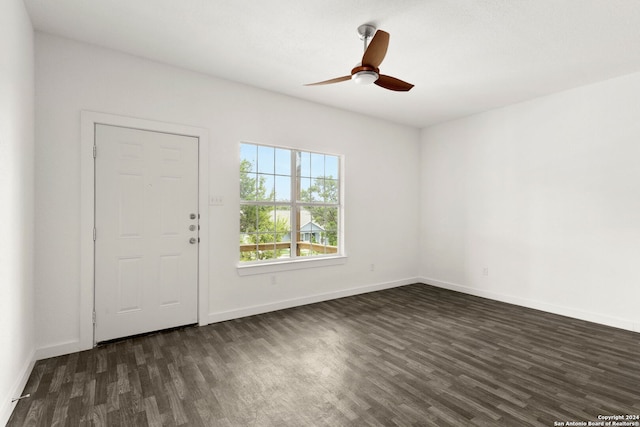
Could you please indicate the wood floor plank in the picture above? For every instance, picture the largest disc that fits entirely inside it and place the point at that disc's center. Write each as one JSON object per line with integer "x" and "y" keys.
{"x": 414, "y": 355}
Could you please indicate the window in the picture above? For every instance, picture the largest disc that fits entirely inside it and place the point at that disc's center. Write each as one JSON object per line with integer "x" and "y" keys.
{"x": 289, "y": 204}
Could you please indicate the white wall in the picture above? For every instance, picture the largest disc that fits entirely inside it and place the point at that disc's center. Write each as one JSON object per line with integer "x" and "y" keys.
{"x": 546, "y": 195}
{"x": 382, "y": 179}
{"x": 16, "y": 202}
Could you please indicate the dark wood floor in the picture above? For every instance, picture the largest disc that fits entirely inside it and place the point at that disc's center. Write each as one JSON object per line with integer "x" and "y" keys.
{"x": 414, "y": 355}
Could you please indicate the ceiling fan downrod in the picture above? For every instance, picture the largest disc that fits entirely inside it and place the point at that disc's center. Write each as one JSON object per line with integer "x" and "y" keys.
{"x": 366, "y": 33}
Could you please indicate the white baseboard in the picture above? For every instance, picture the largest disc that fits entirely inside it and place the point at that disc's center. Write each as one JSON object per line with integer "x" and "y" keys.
{"x": 59, "y": 349}
{"x": 295, "y": 302}
{"x": 537, "y": 305}
{"x": 16, "y": 391}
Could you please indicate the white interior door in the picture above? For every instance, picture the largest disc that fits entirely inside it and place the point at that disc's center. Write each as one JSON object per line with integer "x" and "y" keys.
{"x": 146, "y": 241}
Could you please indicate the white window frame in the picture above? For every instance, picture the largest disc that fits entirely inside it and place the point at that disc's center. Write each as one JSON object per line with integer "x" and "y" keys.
{"x": 298, "y": 262}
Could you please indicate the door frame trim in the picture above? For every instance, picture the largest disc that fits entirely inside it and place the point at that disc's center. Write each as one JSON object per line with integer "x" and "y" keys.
{"x": 88, "y": 120}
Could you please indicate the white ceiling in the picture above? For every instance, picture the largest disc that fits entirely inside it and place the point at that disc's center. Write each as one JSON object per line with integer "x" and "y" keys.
{"x": 464, "y": 56}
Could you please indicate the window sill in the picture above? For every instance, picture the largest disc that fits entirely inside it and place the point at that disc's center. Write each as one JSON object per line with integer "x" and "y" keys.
{"x": 298, "y": 264}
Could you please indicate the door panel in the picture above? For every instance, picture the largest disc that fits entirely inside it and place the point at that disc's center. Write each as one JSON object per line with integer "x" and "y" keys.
{"x": 145, "y": 266}
{"x": 129, "y": 285}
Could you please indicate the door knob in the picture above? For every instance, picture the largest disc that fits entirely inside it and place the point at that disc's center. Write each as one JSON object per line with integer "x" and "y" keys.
{"x": 193, "y": 240}
{"x": 192, "y": 227}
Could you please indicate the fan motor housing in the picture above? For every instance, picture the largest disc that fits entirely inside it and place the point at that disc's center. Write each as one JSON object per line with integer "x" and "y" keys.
{"x": 365, "y": 75}
{"x": 365, "y": 68}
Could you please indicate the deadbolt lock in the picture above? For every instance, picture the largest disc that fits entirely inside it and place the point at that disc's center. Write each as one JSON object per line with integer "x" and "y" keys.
{"x": 192, "y": 216}
{"x": 193, "y": 240}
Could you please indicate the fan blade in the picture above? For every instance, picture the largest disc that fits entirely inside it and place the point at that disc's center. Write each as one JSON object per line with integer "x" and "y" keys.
{"x": 392, "y": 83}
{"x": 328, "y": 82}
{"x": 376, "y": 50}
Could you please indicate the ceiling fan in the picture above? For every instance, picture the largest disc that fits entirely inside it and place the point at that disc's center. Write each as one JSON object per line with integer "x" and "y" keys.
{"x": 367, "y": 71}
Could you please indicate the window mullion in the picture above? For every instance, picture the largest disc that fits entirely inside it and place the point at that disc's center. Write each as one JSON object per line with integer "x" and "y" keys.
{"x": 295, "y": 186}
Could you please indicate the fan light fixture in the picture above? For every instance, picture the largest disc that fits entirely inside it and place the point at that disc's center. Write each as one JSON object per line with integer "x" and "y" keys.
{"x": 365, "y": 77}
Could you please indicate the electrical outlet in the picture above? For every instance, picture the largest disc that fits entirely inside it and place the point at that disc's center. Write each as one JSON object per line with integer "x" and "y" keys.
{"x": 485, "y": 271}
{"x": 274, "y": 280}
{"x": 372, "y": 267}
